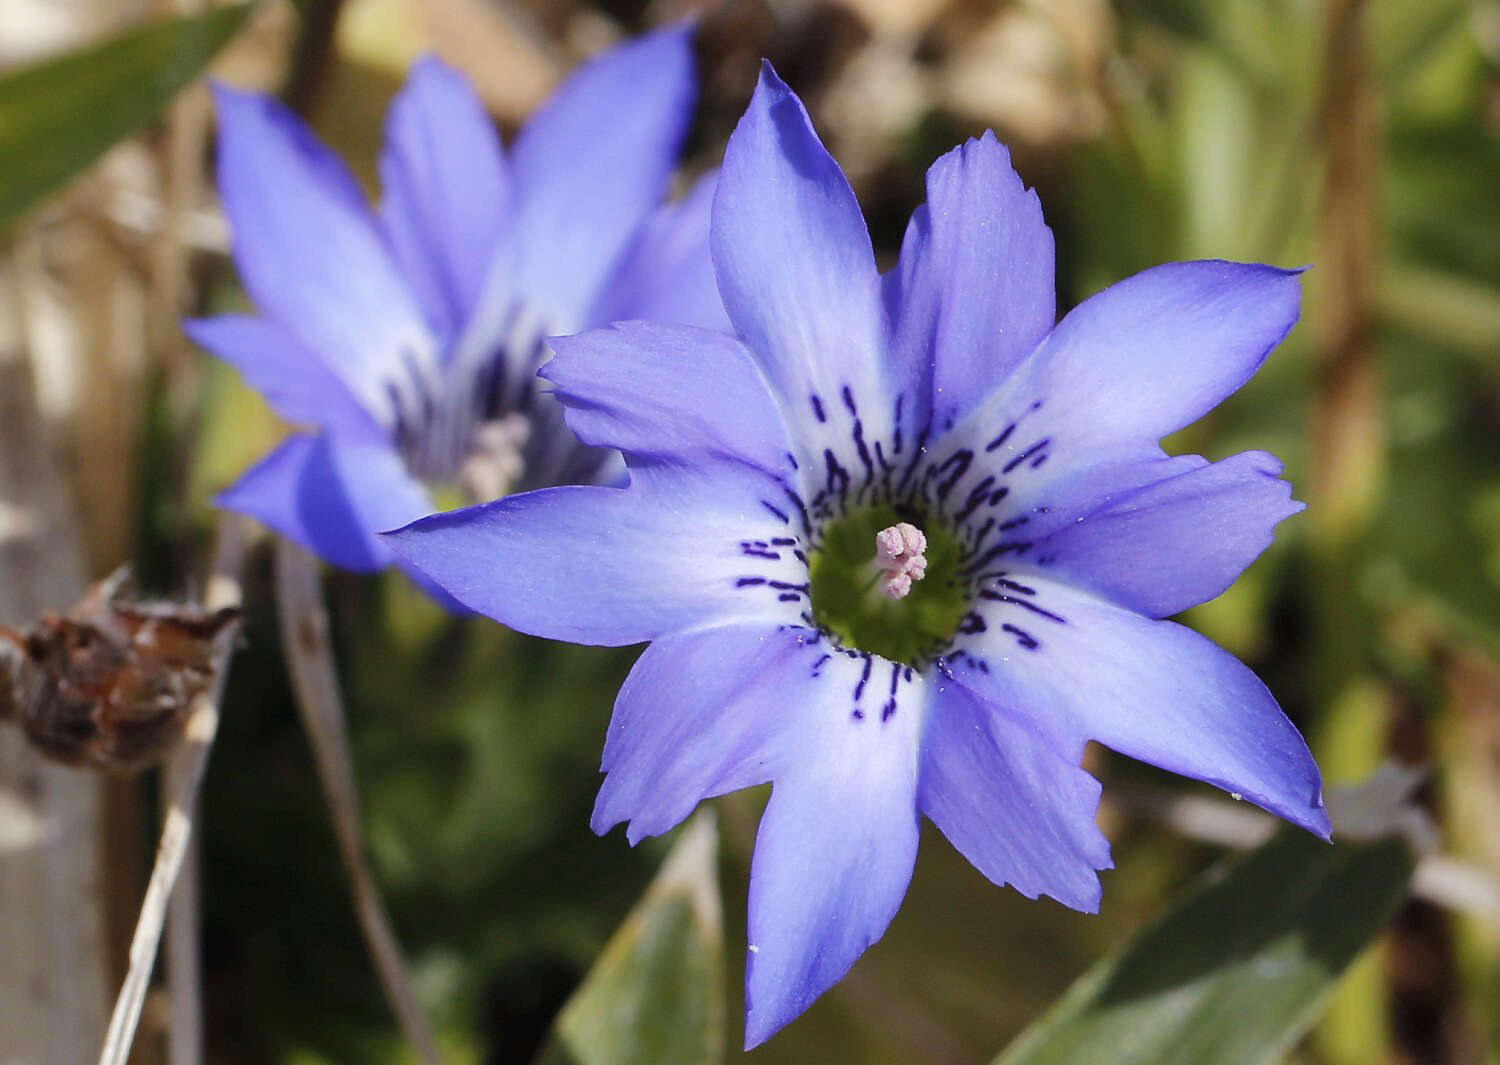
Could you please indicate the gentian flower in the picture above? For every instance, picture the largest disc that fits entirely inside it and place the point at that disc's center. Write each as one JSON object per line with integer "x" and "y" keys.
{"x": 903, "y": 547}
{"x": 409, "y": 338}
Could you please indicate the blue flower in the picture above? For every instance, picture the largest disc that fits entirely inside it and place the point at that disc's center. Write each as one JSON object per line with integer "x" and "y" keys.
{"x": 901, "y": 548}
{"x": 409, "y": 338}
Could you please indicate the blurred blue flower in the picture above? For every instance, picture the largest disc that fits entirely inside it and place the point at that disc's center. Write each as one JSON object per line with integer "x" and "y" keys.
{"x": 409, "y": 338}
{"x": 902, "y": 548}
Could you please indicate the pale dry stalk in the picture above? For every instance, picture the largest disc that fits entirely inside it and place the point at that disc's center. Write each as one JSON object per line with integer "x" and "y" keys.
{"x": 192, "y": 759}
{"x": 309, "y": 656}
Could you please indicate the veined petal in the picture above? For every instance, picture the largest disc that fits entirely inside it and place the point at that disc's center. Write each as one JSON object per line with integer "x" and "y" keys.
{"x": 1015, "y": 471}
{"x": 973, "y": 292}
{"x": 295, "y": 381}
{"x": 838, "y": 839}
{"x": 332, "y": 498}
{"x": 1178, "y": 542}
{"x": 592, "y": 165}
{"x": 700, "y": 715}
{"x": 794, "y": 260}
{"x": 668, "y": 276}
{"x": 1159, "y": 350}
{"x": 669, "y": 390}
{"x": 609, "y": 565}
{"x": 1016, "y": 809}
{"x": 1077, "y": 425}
{"x": 310, "y": 252}
{"x": 1081, "y": 668}
{"x": 447, "y": 194}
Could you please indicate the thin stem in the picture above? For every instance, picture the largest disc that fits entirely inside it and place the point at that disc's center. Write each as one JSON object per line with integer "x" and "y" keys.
{"x": 197, "y": 742}
{"x": 309, "y": 656}
{"x": 184, "y": 964}
{"x": 182, "y": 160}
{"x": 1448, "y": 881}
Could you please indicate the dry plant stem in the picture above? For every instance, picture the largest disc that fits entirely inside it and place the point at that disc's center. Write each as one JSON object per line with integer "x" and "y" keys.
{"x": 1440, "y": 878}
{"x": 192, "y": 759}
{"x": 181, "y": 160}
{"x": 184, "y": 975}
{"x": 309, "y": 656}
{"x": 1348, "y": 449}
{"x": 184, "y": 964}
{"x": 1348, "y": 454}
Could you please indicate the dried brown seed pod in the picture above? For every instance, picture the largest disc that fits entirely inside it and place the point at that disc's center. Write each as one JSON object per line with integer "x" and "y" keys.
{"x": 109, "y": 684}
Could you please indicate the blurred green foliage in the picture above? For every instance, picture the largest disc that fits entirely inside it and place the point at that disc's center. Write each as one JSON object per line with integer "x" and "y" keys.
{"x": 1237, "y": 969}
{"x": 58, "y": 116}
{"x": 656, "y": 992}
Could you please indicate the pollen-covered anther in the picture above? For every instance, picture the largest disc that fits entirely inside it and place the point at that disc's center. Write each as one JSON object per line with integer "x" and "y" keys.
{"x": 900, "y": 555}
{"x": 494, "y": 464}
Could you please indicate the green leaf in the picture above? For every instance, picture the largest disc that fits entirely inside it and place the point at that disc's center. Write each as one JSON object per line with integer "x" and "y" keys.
{"x": 59, "y": 115}
{"x": 656, "y": 994}
{"x": 1237, "y": 971}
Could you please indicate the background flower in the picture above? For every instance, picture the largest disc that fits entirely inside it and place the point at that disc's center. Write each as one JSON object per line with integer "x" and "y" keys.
{"x": 942, "y": 398}
{"x": 409, "y": 337}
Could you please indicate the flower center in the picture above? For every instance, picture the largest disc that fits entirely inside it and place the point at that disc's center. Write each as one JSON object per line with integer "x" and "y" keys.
{"x": 495, "y": 460}
{"x": 885, "y": 581}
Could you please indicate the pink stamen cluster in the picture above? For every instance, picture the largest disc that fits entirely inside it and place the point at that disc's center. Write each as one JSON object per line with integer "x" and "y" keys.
{"x": 899, "y": 556}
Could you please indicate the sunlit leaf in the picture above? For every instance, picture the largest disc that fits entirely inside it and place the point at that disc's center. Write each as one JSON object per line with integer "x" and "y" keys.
{"x": 1236, "y": 972}
{"x": 59, "y": 115}
{"x": 656, "y": 994}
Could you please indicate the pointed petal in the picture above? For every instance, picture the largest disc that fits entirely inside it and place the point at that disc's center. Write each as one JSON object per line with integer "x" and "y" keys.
{"x": 310, "y": 252}
{"x": 608, "y": 565}
{"x": 332, "y": 498}
{"x": 697, "y": 717}
{"x": 668, "y": 275}
{"x": 592, "y": 165}
{"x": 837, "y": 842}
{"x": 793, "y": 256}
{"x": 665, "y": 390}
{"x": 447, "y": 195}
{"x": 1159, "y": 350}
{"x": 973, "y": 292}
{"x": 1022, "y": 814}
{"x": 1081, "y": 668}
{"x": 1078, "y": 424}
{"x": 295, "y": 381}
{"x": 1178, "y": 542}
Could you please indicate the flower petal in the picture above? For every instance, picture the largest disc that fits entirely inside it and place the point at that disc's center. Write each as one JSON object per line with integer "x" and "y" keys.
{"x": 609, "y": 565}
{"x": 973, "y": 292}
{"x": 793, "y": 256}
{"x": 668, "y": 275}
{"x": 332, "y": 498}
{"x": 697, "y": 717}
{"x": 295, "y": 381}
{"x": 1178, "y": 542}
{"x": 447, "y": 195}
{"x": 837, "y": 842}
{"x": 592, "y": 165}
{"x": 310, "y": 252}
{"x": 1159, "y": 350}
{"x": 1081, "y": 668}
{"x": 1018, "y": 811}
{"x": 669, "y": 390}
{"x": 1076, "y": 426}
